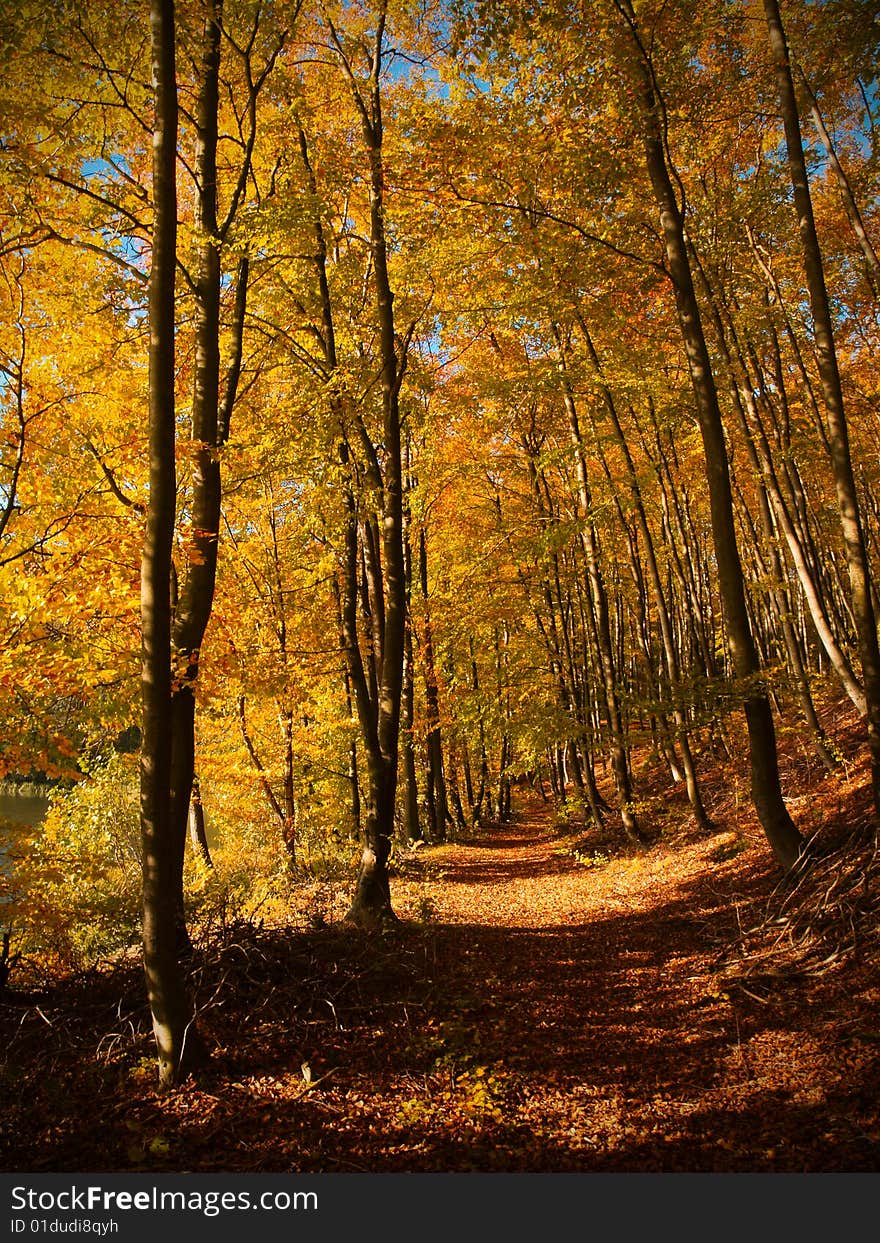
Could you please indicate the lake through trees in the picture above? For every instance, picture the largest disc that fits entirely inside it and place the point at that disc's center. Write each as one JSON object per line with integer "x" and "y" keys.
{"x": 17, "y": 811}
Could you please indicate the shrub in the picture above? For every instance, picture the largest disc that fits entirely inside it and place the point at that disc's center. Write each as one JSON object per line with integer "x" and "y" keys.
{"x": 79, "y": 877}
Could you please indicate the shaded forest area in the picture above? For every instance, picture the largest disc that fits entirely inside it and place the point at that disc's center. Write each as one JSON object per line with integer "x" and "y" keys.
{"x": 439, "y": 530}
{"x": 548, "y": 1003}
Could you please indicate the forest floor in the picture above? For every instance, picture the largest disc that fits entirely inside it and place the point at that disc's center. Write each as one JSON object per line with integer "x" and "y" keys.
{"x": 550, "y": 1001}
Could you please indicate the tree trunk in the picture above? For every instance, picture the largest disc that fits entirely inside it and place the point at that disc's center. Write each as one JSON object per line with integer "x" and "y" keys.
{"x": 169, "y": 1004}
{"x": 198, "y": 837}
{"x": 692, "y": 784}
{"x": 411, "y": 825}
{"x": 599, "y": 601}
{"x": 291, "y": 811}
{"x": 380, "y": 722}
{"x": 741, "y": 390}
{"x": 838, "y": 431}
{"x": 437, "y": 800}
{"x": 783, "y": 836}
{"x": 872, "y": 263}
{"x": 196, "y": 596}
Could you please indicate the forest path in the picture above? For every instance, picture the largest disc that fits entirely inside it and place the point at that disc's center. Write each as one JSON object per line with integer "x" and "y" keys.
{"x": 532, "y": 1011}
{"x": 523, "y": 875}
{"x": 585, "y": 983}
{"x": 581, "y": 994}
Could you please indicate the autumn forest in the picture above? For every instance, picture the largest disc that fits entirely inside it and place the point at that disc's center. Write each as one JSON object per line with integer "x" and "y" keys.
{"x": 440, "y": 584}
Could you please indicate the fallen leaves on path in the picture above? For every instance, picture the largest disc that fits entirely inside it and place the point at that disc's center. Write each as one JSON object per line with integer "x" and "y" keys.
{"x": 555, "y": 1011}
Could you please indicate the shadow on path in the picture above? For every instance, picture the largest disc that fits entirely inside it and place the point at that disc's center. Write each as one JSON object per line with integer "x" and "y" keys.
{"x": 598, "y": 1043}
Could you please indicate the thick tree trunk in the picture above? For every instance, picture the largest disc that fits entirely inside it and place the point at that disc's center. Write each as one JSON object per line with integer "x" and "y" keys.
{"x": 372, "y": 904}
{"x": 169, "y": 1004}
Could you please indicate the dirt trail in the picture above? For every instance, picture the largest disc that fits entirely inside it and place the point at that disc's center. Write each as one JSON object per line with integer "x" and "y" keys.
{"x": 593, "y": 987}
{"x": 589, "y": 985}
{"x": 525, "y": 876}
{"x": 531, "y": 1012}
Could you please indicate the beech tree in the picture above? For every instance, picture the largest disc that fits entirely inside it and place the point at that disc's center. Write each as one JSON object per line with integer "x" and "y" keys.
{"x": 168, "y": 1001}
{"x": 781, "y": 832}
{"x": 378, "y": 706}
{"x": 212, "y": 400}
{"x": 858, "y": 565}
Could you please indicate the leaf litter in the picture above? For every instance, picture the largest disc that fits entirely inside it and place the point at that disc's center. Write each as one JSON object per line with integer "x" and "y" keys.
{"x": 549, "y": 1001}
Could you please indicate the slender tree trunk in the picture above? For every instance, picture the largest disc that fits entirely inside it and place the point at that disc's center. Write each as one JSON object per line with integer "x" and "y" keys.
{"x": 468, "y": 778}
{"x": 692, "y": 784}
{"x": 599, "y": 599}
{"x": 453, "y": 781}
{"x": 285, "y": 811}
{"x": 783, "y": 836}
{"x": 412, "y": 826}
{"x": 742, "y": 400}
{"x": 291, "y": 811}
{"x": 169, "y": 1004}
{"x": 789, "y": 512}
{"x": 352, "y": 775}
{"x": 437, "y": 800}
{"x": 376, "y": 690}
{"x": 198, "y": 836}
{"x": 476, "y": 800}
{"x": 872, "y": 263}
{"x": 197, "y": 593}
{"x": 838, "y": 432}
{"x": 684, "y": 552}
{"x": 380, "y": 719}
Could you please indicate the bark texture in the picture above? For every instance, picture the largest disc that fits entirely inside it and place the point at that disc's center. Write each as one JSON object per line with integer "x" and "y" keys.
{"x": 169, "y": 1005}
